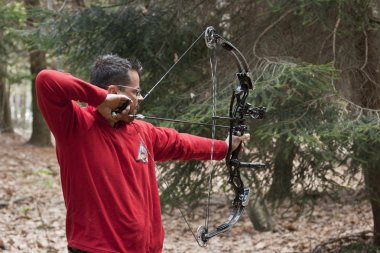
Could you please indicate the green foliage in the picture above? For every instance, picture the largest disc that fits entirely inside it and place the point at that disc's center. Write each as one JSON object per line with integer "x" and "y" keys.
{"x": 183, "y": 184}
{"x": 153, "y": 36}
{"x": 297, "y": 98}
{"x": 12, "y": 17}
{"x": 11, "y": 14}
{"x": 363, "y": 130}
{"x": 353, "y": 13}
{"x": 301, "y": 109}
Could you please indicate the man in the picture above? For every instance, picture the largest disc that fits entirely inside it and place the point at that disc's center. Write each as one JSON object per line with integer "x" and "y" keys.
{"x": 107, "y": 159}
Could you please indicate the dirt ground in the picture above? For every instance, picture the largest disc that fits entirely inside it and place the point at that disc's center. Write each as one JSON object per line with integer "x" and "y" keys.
{"x": 32, "y": 213}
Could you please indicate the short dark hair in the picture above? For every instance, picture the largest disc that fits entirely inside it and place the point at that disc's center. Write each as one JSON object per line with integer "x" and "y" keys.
{"x": 112, "y": 69}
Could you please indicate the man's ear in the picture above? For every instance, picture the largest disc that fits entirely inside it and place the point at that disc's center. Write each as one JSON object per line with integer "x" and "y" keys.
{"x": 112, "y": 89}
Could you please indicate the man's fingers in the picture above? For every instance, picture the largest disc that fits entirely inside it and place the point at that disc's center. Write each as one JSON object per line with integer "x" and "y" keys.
{"x": 238, "y": 140}
{"x": 115, "y": 116}
{"x": 123, "y": 100}
{"x": 120, "y": 114}
{"x": 244, "y": 140}
{"x": 245, "y": 137}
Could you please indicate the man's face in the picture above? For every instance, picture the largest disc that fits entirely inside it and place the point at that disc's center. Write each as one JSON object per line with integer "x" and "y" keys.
{"x": 133, "y": 91}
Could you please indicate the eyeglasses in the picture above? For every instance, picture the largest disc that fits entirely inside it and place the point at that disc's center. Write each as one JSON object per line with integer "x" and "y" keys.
{"x": 138, "y": 92}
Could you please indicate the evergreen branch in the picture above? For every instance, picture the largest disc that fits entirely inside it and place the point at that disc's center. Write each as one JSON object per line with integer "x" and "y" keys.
{"x": 266, "y": 30}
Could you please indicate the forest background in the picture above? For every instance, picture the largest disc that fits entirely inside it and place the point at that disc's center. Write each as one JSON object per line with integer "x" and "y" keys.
{"x": 316, "y": 68}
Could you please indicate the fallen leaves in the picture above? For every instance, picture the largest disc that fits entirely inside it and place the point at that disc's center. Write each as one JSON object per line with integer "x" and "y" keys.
{"x": 32, "y": 214}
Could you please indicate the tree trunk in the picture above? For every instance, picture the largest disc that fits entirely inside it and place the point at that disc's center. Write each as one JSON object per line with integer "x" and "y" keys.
{"x": 283, "y": 164}
{"x": 5, "y": 110}
{"x": 372, "y": 175}
{"x": 371, "y": 99}
{"x": 40, "y": 131}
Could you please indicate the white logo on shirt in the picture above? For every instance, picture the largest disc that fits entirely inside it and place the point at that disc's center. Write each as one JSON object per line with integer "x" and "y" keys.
{"x": 143, "y": 153}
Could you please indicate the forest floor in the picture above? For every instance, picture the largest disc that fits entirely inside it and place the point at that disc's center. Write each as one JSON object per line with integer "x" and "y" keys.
{"x": 32, "y": 214}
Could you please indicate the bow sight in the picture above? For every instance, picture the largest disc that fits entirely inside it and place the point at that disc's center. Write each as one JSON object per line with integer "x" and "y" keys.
{"x": 255, "y": 112}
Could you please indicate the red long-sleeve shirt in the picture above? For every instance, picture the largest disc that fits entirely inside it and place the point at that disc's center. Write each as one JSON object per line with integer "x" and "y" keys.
{"x": 108, "y": 174}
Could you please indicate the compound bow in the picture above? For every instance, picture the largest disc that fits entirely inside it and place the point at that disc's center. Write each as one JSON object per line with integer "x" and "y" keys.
{"x": 239, "y": 109}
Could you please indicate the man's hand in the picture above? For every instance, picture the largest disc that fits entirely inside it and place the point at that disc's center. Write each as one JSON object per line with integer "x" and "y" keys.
{"x": 112, "y": 102}
{"x": 236, "y": 140}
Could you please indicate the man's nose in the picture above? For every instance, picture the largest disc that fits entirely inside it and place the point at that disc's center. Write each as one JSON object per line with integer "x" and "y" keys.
{"x": 140, "y": 98}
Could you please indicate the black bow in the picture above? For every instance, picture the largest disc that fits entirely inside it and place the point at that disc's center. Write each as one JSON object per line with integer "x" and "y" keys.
{"x": 239, "y": 109}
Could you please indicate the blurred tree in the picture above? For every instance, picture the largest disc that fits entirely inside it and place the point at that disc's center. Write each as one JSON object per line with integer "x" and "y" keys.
{"x": 367, "y": 141}
{"x": 5, "y": 111}
{"x": 11, "y": 16}
{"x": 37, "y": 58}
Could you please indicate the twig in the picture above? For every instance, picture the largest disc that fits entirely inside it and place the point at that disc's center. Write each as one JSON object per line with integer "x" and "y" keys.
{"x": 366, "y": 51}
{"x": 334, "y": 37}
{"x": 44, "y": 226}
{"x": 361, "y": 236}
{"x": 62, "y": 6}
{"x": 323, "y": 45}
